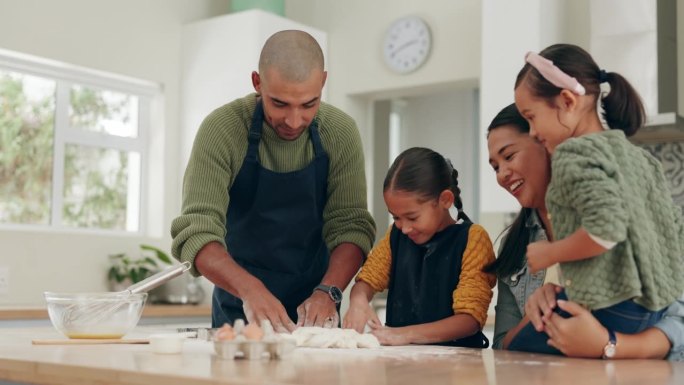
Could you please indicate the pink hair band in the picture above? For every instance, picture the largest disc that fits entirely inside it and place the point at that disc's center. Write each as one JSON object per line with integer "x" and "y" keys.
{"x": 554, "y": 74}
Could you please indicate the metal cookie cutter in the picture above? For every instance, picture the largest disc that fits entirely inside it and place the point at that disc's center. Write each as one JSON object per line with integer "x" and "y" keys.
{"x": 203, "y": 334}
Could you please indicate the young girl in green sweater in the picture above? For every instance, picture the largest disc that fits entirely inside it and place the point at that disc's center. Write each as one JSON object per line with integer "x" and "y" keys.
{"x": 617, "y": 233}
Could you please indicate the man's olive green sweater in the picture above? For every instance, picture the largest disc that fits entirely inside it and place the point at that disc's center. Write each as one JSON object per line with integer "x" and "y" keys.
{"x": 617, "y": 191}
{"x": 217, "y": 155}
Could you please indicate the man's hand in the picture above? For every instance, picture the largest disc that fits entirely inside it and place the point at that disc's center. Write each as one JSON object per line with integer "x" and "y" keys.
{"x": 318, "y": 310}
{"x": 259, "y": 304}
{"x": 578, "y": 336}
{"x": 540, "y": 305}
{"x": 358, "y": 315}
{"x": 539, "y": 255}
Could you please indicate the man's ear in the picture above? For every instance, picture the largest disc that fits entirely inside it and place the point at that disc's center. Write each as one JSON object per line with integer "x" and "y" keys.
{"x": 325, "y": 77}
{"x": 256, "y": 82}
{"x": 446, "y": 198}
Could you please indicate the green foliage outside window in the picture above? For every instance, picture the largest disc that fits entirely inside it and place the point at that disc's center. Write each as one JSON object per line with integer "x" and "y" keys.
{"x": 26, "y": 141}
{"x": 95, "y": 189}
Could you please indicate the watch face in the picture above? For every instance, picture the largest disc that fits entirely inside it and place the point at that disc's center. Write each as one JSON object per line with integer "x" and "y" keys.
{"x": 407, "y": 44}
{"x": 609, "y": 351}
{"x": 336, "y": 294}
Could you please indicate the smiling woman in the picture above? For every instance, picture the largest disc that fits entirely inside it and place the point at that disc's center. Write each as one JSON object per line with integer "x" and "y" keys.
{"x": 512, "y": 155}
{"x": 520, "y": 163}
{"x": 522, "y": 167}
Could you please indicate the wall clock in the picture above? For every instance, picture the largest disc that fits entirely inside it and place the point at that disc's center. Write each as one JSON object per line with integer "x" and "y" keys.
{"x": 407, "y": 44}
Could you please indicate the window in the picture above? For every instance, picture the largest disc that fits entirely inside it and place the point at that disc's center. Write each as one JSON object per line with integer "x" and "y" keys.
{"x": 73, "y": 146}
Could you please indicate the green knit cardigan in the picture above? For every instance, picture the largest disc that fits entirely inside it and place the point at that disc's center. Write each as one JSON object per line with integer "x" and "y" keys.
{"x": 217, "y": 155}
{"x": 617, "y": 192}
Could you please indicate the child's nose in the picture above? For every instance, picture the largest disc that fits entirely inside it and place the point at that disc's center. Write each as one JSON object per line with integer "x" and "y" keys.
{"x": 534, "y": 133}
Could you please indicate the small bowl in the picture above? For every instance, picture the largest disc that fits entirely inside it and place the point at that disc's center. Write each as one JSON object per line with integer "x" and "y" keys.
{"x": 94, "y": 315}
{"x": 167, "y": 343}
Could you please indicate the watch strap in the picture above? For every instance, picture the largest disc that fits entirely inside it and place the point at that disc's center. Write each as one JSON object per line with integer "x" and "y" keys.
{"x": 329, "y": 290}
{"x": 323, "y": 287}
{"x": 609, "y": 349}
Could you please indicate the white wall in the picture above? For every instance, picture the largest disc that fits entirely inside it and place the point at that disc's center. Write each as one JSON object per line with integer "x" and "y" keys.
{"x": 211, "y": 77}
{"x": 680, "y": 61}
{"x": 502, "y": 58}
{"x": 357, "y": 74}
{"x": 509, "y": 30}
{"x": 446, "y": 123}
{"x": 140, "y": 39}
{"x": 356, "y": 29}
{"x": 473, "y": 41}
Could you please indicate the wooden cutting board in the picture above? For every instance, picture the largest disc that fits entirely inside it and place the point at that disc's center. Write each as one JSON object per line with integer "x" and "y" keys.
{"x": 93, "y": 341}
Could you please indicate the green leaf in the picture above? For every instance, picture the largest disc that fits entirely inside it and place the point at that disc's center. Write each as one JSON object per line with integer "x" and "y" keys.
{"x": 135, "y": 275}
{"x": 111, "y": 275}
{"x": 151, "y": 261}
{"x": 116, "y": 258}
{"x": 161, "y": 255}
{"x": 143, "y": 273}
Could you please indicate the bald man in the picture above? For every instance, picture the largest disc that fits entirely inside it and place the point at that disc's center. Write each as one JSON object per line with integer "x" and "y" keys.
{"x": 274, "y": 196}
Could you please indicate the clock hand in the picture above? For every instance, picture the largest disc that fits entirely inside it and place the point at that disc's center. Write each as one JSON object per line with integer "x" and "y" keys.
{"x": 404, "y": 46}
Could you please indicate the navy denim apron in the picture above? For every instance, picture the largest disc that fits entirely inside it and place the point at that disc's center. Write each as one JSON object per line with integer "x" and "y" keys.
{"x": 274, "y": 227}
{"x": 423, "y": 279}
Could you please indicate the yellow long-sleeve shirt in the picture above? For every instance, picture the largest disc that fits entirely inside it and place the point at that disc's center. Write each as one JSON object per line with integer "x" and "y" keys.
{"x": 474, "y": 290}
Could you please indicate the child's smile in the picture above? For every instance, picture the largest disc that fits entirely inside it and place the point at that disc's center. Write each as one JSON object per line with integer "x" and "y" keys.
{"x": 418, "y": 218}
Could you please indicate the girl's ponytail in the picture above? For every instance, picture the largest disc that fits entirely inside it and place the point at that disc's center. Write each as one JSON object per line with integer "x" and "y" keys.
{"x": 458, "y": 203}
{"x": 623, "y": 107}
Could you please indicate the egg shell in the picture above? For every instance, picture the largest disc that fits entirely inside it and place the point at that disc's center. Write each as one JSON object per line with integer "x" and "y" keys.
{"x": 225, "y": 333}
{"x": 253, "y": 332}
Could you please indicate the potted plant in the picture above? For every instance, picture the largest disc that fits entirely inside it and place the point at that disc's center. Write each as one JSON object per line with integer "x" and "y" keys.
{"x": 125, "y": 271}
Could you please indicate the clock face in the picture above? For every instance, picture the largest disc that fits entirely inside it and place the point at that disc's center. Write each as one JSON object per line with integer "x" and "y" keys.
{"x": 407, "y": 44}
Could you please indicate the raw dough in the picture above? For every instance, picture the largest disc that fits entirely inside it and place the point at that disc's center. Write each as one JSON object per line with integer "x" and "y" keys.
{"x": 317, "y": 337}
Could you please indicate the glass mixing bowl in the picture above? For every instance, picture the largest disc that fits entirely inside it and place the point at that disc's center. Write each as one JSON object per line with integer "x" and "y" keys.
{"x": 94, "y": 315}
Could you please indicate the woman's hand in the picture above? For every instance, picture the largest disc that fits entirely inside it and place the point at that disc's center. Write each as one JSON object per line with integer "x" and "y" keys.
{"x": 539, "y": 255}
{"x": 581, "y": 335}
{"x": 540, "y": 304}
{"x": 358, "y": 315}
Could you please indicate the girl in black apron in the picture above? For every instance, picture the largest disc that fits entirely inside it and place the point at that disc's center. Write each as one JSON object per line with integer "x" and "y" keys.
{"x": 420, "y": 261}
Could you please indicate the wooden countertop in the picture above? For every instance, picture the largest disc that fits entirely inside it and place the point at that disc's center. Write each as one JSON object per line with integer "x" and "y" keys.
{"x": 18, "y": 313}
{"x": 409, "y": 365}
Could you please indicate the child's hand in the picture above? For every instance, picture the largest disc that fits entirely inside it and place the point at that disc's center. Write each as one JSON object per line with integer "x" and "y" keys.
{"x": 540, "y": 305}
{"x": 539, "y": 255}
{"x": 390, "y": 336}
{"x": 358, "y": 315}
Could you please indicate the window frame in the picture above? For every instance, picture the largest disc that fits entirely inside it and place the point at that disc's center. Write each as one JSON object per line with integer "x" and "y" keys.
{"x": 66, "y": 75}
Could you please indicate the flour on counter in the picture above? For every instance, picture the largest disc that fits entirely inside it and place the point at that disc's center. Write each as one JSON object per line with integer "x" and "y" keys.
{"x": 317, "y": 337}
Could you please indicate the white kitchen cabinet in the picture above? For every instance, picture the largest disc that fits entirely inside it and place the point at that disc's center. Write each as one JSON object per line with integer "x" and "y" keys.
{"x": 218, "y": 57}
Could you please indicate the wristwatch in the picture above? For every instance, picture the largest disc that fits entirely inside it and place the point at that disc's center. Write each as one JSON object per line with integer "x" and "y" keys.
{"x": 333, "y": 291}
{"x": 610, "y": 348}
